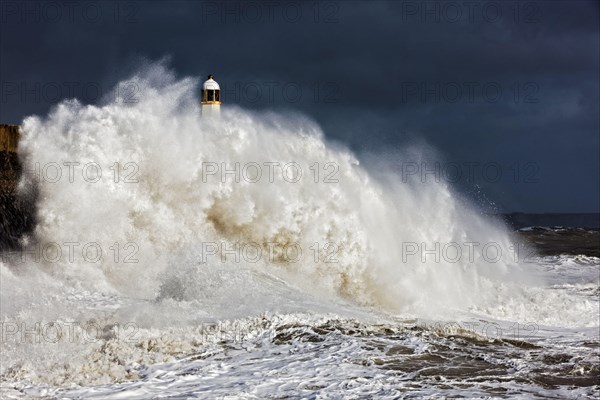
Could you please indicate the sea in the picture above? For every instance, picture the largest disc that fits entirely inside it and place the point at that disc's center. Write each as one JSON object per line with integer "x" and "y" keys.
{"x": 176, "y": 256}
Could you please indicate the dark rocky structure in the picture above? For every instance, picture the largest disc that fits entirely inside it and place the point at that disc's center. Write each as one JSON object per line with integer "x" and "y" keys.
{"x": 17, "y": 209}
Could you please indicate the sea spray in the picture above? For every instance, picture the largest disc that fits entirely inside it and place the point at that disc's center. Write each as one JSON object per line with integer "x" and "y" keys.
{"x": 126, "y": 187}
{"x": 169, "y": 242}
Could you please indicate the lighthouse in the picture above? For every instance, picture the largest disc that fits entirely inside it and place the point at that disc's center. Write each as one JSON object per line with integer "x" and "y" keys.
{"x": 211, "y": 97}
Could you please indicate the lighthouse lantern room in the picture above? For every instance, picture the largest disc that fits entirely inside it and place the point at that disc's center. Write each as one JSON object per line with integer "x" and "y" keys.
{"x": 211, "y": 97}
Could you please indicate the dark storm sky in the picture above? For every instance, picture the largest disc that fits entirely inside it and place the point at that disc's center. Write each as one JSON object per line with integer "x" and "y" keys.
{"x": 507, "y": 92}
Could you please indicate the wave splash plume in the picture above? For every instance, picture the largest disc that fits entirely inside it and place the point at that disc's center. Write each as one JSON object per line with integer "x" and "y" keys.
{"x": 252, "y": 214}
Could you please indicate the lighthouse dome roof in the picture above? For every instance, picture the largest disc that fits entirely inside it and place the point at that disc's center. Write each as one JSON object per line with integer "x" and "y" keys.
{"x": 211, "y": 84}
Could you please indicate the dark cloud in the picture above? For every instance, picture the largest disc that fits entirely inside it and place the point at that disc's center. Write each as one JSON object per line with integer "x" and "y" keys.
{"x": 505, "y": 83}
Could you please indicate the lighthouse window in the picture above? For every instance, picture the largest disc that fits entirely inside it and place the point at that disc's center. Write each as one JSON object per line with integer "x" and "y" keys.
{"x": 210, "y": 95}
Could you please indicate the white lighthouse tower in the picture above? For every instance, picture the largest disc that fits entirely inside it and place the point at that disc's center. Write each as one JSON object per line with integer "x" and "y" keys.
{"x": 211, "y": 97}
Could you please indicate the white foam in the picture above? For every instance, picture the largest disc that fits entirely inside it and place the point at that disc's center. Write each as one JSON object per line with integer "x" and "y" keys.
{"x": 172, "y": 210}
{"x": 172, "y": 213}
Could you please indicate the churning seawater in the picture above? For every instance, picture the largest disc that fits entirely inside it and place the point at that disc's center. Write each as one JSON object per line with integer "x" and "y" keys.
{"x": 176, "y": 256}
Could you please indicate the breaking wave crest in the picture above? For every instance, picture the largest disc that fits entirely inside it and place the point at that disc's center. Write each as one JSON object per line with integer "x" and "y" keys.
{"x": 154, "y": 223}
{"x": 180, "y": 198}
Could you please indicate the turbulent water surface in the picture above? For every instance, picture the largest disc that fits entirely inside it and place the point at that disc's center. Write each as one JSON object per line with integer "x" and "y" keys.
{"x": 246, "y": 257}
